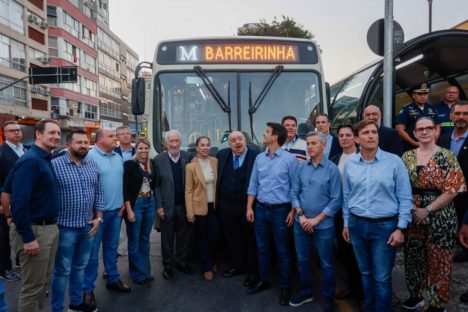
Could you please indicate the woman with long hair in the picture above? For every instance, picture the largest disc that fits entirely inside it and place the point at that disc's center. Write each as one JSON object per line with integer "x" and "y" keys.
{"x": 436, "y": 178}
{"x": 200, "y": 196}
{"x": 139, "y": 182}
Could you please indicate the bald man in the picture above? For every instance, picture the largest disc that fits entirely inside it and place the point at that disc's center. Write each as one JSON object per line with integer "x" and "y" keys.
{"x": 235, "y": 167}
{"x": 389, "y": 140}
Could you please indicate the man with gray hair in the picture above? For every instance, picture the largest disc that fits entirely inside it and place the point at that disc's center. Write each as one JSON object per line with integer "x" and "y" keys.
{"x": 316, "y": 197}
{"x": 170, "y": 202}
{"x": 234, "y": 169}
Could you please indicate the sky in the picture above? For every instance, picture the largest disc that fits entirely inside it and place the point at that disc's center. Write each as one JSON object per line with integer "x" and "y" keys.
{"x": 340, "y": 26}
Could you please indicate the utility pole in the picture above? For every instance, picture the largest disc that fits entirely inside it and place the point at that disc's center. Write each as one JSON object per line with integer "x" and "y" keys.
{"x": 430, "y": 15}
{"x": 388, "y": 65}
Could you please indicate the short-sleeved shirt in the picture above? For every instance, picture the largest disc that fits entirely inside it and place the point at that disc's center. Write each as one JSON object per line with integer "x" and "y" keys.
{"x": 410, "y": 113}
{"x": 443, "y": 118}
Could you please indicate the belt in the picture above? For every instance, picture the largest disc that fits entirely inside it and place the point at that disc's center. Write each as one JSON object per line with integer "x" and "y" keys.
{"x": 44, "y": 222}
{"x": 275, "y": 206}
{"x": 145, "y": 194}
{"x": 427, "y": 192}
{"x": 374, "y": 220}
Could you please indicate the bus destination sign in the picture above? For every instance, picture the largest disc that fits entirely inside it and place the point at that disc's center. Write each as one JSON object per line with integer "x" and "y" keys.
{"x": 236, "y": 52}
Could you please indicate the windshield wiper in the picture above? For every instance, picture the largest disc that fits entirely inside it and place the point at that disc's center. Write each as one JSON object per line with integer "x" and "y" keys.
{"x": 253, "y": 107}
{"x": 222, "y": 104}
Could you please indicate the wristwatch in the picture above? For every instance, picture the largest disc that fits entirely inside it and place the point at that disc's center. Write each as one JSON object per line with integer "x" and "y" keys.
{"x": 300, "y": 213}
{"x": 100, "y": 220}
{"x": 403, "y": 230}
{"x": 429, "y": 209}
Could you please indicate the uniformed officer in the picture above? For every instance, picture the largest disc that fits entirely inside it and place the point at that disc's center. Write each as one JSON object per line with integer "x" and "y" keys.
{"x": 443, "y": 109}
{"x": 406, "y": 119}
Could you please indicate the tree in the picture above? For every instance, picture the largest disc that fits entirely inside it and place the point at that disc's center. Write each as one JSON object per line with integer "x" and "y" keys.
{"x": 285, "y": 28}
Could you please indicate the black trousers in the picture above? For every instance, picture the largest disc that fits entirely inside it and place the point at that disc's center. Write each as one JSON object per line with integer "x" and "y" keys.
{"x": 5, "y": 250}
{"x": 174, "y": 227}
{"x": 239, "y": 234}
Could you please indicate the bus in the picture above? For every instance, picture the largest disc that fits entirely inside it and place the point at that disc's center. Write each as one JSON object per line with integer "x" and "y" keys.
{"x": 438, "y": 58}
{"x": 211, "y": 86}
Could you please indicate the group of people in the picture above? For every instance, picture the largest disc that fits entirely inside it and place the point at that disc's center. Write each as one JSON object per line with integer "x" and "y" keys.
{"x": 354, "y": 197}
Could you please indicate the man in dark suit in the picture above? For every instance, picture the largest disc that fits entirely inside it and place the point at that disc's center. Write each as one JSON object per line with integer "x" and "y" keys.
{"x": 234, "y": 169}
{"x": 389, "y": 140}
{"x": 10, "y": 151}
{"x": 125, "y": 148}
{"x": 322, "y": 122}
{"x": 457, "y": 142}
{"x": 170, "y": 203}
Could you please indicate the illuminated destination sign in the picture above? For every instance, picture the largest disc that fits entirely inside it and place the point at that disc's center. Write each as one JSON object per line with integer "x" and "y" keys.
{"x": 237, "y": 52}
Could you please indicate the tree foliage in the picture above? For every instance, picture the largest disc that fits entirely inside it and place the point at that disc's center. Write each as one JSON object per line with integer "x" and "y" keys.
{"x": 287, "y": 27}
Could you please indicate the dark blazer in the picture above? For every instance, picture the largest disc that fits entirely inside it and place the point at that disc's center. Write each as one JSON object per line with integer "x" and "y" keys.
{"x": 336, "y": 158}
{"x": 8, "y": 158}
{"x": 118, "y": 150}
{"x": 223, "y": 156}
{"x": 444, "y": 141}
{"x": 164, "y": 189}
{"x": 335, "y": 148}
{"x": 390, "y": 141}
{"x": 133, "y": 179}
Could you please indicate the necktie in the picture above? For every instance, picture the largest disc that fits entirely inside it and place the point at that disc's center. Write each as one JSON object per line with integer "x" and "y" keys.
{"x": 236, "y": 162}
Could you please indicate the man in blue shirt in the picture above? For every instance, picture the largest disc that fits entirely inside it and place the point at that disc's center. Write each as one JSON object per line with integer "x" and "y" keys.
{"x": 316, "y": 197}
{"x": 269, "y": 188}
{"x": 34, "y": 207}
{"x": 377, "y": 205}
{"x": 110, "y": 166}
{"x": 443, "y": 109}
{"x": 80, "y": 214}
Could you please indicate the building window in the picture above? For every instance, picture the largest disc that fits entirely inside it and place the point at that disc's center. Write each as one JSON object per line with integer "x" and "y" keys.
{"x": 15, "y": 95}
{"x": 89, "y": 63}
{"x": 90, "y": 87}
{"x": 71, "y": 25}
{"x": 90, "y": 111}
{"x": 110, "y": 108}
{"x": 11, "y": 15}
{"x": 53, "y": 46}
{"x": 108, "y": 64}
{"x": 71, "y": 53}
{"x": 37, "y": 55}
{"x": 52, "y": 15}
{"x": 87, "y": 36}
{"x": 12, "y": 53}
{"x": 75, "y": 86}
{"x": 109, "y": 86}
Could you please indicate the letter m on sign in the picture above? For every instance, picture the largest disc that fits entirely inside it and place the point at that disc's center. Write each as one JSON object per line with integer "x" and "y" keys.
{"x": 187, "y": 54}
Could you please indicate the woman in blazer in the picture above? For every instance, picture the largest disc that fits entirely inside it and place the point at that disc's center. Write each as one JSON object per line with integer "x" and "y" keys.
{"x": 200, "y": 196}
{"x": 139, "y": 182}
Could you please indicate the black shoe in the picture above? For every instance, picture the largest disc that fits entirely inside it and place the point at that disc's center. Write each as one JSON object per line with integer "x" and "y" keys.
{"x": 150, "y": 278}
{"x": 88, "y": 299}
{"x": 464, "y": 297}
{"x": 251, "y": 280}
{"x": 259, "y": 287}
{"x": 413, "y": 303}
{"x": 83, "y": 307}
{"x": 168, "y": 273}
{"x": 285, "y": 296}
{"x": 231, "y": 272}
{"x": 119, "y": 286}
{"x": 462, "y": 256}
{"x": 9, "y": 276}
{"x": 184, "y": 269}
{"x": 143, "y": 282}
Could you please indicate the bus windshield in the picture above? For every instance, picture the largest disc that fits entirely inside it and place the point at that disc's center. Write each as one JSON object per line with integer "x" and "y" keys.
{"x": 189, "y": 106}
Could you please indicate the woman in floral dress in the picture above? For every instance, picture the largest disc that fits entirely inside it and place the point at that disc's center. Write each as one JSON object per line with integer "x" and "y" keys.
{"x": 436, "y": 178}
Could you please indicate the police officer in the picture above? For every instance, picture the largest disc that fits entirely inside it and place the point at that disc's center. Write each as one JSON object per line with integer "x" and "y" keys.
{"x": 443, "y": 109}
{"x": 406, "y": 119}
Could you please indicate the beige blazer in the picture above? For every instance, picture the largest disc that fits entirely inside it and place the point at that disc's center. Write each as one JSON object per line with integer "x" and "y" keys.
{"x": 196, "y": 198}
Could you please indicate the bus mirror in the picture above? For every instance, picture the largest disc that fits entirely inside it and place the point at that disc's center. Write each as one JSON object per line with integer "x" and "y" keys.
{"x": 138, "y": 96}
{"x": 327, "y": 92}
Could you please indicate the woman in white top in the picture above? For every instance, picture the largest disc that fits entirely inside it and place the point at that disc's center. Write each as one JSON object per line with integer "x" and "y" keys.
{"x": 200, "y": 197}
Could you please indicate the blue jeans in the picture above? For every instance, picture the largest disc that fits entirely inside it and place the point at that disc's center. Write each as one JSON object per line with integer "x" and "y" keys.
{"x": 138, "y": 234}
{"x": 109, "y": 234}
{"x": 268, "y": 222}
{"x": 74, "y": 249}
{"x": 324, "y": 241}
{"x": 375, "y": 259}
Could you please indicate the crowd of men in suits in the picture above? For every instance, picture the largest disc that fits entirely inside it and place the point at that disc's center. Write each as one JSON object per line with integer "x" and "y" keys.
{"x": 57, "y": 213}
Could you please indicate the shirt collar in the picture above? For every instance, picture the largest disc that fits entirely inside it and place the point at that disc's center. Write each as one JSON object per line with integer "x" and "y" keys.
{"x": 278, "y": 152}
{"x": 174, "y": 159}
{"x": 100, "y": 151}
{"x": 40, "y": 152}
{"x": 241, "y": 155}
{"x": 13, "y": 146}
{"x": 69, "y": 160}
{"x": 322, "y": 162}
{"x": 126, "y": 150}
{"x": 464, "y": 136}
{"x": 377, "y": 157}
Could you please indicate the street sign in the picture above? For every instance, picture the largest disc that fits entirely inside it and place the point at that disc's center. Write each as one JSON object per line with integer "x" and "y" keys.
{"x": 46, "y": 75}
{"x": 376, "y": 37}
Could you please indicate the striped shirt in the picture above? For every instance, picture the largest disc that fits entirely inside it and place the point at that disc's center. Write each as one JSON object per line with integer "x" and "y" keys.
{"x": 298, "y": 148}
{"x": 80, "y": 191}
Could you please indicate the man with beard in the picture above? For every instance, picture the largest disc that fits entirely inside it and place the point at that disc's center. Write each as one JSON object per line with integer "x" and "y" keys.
{"x": 80, "y": 214}
{"x": 34, "y": 207}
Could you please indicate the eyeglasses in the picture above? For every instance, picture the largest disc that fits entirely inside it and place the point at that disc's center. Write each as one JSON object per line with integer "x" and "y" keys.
{"x": 427, "y": 129}
{"x": 13, "y": 130}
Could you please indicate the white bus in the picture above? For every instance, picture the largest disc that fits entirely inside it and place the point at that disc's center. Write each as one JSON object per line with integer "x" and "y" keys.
{"x": 210, "y": 86}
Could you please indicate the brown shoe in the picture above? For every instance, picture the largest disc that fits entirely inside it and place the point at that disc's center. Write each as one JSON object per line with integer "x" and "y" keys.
{"x": 208, "y": 275}
{"x": 214, "y": 268}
